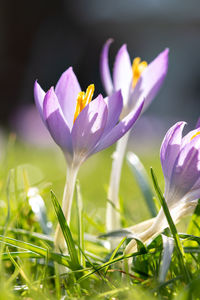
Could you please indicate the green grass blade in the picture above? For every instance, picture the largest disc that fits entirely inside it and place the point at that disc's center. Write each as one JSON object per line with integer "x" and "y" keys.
{"x": 37, "y": 236}
{"x": 115, "y": 252}
{"x": 179, "y": 248}
{"x": 140, "y": 175}
{"x": 23, "y": 245}
{"x": 22, "y": 254}
{"x": 108, "y": 263}
{"x": 66, "y": 232}
{"x": 61, "y": 259}
{"x": 189, "y": 237}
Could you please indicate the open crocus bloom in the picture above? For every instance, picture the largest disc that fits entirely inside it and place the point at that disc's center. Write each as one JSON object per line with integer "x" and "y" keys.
{"x": 78, "y": 125}
{"x": 180, "y": 159}
{"x": 136, "y": 80}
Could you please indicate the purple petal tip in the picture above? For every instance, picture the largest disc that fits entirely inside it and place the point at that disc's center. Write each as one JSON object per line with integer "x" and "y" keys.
{"x": 109, "y": 41}
{"x": 123, "y": 48}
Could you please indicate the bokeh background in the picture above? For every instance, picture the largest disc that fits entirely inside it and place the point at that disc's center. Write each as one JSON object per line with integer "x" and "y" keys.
{"x": 41, "y": 39}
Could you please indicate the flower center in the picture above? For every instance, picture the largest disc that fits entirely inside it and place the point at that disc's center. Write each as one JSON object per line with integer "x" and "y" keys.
{"x": 83, "y": 99}
{"x": 197, "y": 133}
{"x": 137, "y": 69}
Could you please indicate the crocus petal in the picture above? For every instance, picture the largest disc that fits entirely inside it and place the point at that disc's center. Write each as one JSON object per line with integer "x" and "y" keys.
{"x": 39, "y": 95}
{"x": 150, "y": 80}
{"x": 170, "y": 149}
{"x": 120, "y": 129}
{"x": 56, "y": 122}
{"x": 186, "y": 169}
{"x": 104, "y": 68}
{"x": 122, "y": 73}
{"x": 67, "y": 90}
{"x": 115, "y": 105}
{"x": 188, "y": 137}
{"x": 89, "y": 127}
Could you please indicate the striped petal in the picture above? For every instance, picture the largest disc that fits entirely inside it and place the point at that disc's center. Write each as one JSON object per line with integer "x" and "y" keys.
{"x": 56, "y": 122}
{"x": 115, "y": 105}
{"x": 170, "y": 149}
{"x": 67, "y": 90}
{"x": 88, "y": 127}
{"x": 150, "y": 80}
{"x": 122, "y": 73}
{"x": 120, "y": 129}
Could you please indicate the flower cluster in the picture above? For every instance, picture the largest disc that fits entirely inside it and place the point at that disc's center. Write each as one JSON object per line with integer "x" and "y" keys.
{"x": 82, "y": 126}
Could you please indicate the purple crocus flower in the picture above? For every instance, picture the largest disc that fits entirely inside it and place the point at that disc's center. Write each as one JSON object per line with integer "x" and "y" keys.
{"x": 80, "y": 127}
{"x": 95, "y": 126}
{"x": 180, "y": 159}
{"x": 136, "y": 80}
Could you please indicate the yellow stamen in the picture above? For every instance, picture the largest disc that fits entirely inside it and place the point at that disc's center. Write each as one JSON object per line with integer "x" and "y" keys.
{"x": 83, "y": 99}
{"x": 197, "y": 133}
{"x": 137, "y": 69}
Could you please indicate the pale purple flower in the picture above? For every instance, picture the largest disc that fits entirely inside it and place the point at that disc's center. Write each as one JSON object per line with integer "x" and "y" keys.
{"x": 95, "y": 128}
{"x": 136, "y": 81}
{"x": 180, "y": 159}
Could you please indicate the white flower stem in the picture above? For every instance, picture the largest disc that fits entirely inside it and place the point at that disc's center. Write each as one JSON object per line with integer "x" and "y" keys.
{"x": 112, "y": 215}
{"x": 144, "y": 237}
{"x": 66, "y": 206}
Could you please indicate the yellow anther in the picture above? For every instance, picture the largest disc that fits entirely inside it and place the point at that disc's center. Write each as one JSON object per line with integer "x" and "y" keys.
{"x": 83, "y": 99}
{"x": 197, "y": 133}
{"x": 88, "y": 95}
{"x": 137, "y": 69}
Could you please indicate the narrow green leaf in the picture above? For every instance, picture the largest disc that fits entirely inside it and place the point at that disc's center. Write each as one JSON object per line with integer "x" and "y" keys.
{"x": 141, "y": 176}
{"x": 91, "y": 264}
{"x": 108, "y": 263}
{"x": 59, "y": 258}
{"x": 190, "y": 237}
{"x": 36, "y": 235}
{"x": 179, "y": 248}
{"x": 66, "y": 232}
{"x": 23, "y": 245}
{"x": 22, "y": 254}
{"x": 21, "y": 271}
{"x": 115, "y": 252}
